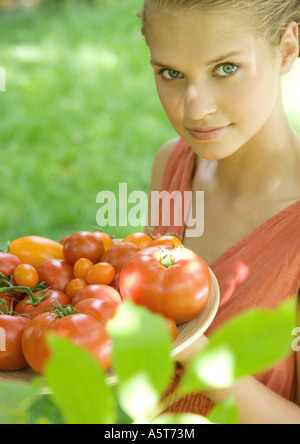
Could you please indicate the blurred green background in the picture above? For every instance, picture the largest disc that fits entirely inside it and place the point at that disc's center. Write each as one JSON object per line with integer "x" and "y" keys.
{"x": 80, "y": 113}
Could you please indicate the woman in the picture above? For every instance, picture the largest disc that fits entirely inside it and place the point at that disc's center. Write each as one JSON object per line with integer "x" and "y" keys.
{"x": 218, "y": 66}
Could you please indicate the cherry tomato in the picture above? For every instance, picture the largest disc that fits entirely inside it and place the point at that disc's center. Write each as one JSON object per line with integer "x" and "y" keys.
{"x": 167, "y": 240}
{"x": 142, "y": 240}
{"x": 172, "y": 327}
{"x": 56, "y": 273}
{"x": 41, "y": 301}
{"x": 172, "y": 281}
{"x": 83, "y": 244}
{"x": 81, "y": 329}
{"x": 26, "y": 275}
{"x": 34, "y": 250}
{"x": 98, "y": 291}
{"x": 101, "y": 310}
{"x": 101, "y": 273}
{"x": 8, "y": 263}
{"x": 106, "y": 239}
{"x": 11, "y": 331}
{"x": 74, "y": 286}
{"x": 117, "y": 256}
{"x": 81, "y": 267}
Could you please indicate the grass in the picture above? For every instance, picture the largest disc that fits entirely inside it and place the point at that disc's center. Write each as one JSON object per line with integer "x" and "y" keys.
{"x": 80, "y": 114}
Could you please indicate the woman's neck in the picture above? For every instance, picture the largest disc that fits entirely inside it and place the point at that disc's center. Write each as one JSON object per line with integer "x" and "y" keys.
{"x": 267, "y": 162}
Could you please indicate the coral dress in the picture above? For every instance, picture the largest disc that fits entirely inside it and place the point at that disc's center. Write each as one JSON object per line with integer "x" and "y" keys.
{"x": 262, "y": 270}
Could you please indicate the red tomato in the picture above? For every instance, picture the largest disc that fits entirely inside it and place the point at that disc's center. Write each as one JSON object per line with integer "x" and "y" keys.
{"x": 101, "y": 310}
{"x": 117, "y": 256}
{"x": 56, "y": 273}
{"x": 34, "y": 250}
{"x": 82, "y": 329}
{"x": 11, "y": 331}
{"x": 172, "y": 281}
{"x": 8, "y": 263}
{"x": 97, "y": 291}
{"x": 172, "y": 327}
{"x": 83, "y": 244}
{"x": 43, "y": 300}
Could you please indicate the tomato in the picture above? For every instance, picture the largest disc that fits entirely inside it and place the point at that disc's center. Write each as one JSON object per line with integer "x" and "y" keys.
{"x": 34, "y": 304}
{"x": 117, "y": 256}
{"x": 9, "y": 300}
{"x": 82, "y": 329}
{"x": 101, "y": 273}
{"x": 172, "y": 327}
{"x": 167, "y": 240}
{"x": 98, "y": 291}
{"x": 11, "y": 331}
{"x": 106, "y": 239}
{"x": 142, "y": 240}
{"x": 83, "y": 244}
{"x": 26, "y": 275}
{"x": 172, "y": 281}
{"x": 57, "y": 273}
{"x": 8, "y": 263}
{"x": 34, "y": 250}
{"x": 81, "y": 267}
{"x": 74, "y": 286}
{"x": 101, "y": 310}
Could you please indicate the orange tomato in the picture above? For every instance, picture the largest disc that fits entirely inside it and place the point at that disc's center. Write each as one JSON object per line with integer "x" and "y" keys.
{"x": 142, "y": 240}
{"x": 106, "y": 239}
{"x": 25, "y": 275}
{"x": 34, "y": 250}
{"x": 167, "y": 240}
{"x": 81, "y": 267}
{"x": 74, "y": 286}
{"x": 101, "y": 273}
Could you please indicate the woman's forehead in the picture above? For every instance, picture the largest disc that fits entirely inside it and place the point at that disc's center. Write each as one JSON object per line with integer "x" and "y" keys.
{"x": 207, "y": 35}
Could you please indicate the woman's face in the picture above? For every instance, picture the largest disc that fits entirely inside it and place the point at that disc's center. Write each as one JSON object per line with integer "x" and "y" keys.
{"x": 218, "y": 83}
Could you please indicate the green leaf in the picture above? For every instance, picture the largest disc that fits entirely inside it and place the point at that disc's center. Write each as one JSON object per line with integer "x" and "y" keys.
{"x": 141, "y": 357}
{"x": 15, "y": 400}
{"x": 247, "y": 345}
{"x": 79, "y": 386}
{"x": 225, "y": 413}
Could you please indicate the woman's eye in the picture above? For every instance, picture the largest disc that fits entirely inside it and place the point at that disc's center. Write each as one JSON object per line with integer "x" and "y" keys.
{"x": 226, "y": 70}
{"x": 170, "y": 74}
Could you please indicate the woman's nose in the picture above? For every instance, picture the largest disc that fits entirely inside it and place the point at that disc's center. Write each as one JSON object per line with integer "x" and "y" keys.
{"x": 199, "y": 103}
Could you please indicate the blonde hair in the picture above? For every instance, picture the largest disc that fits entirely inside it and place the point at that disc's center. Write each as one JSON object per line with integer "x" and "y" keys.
{"x": 269, "y": 17}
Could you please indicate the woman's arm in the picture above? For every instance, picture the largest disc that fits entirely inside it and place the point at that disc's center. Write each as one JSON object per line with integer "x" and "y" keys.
{"x": 256, "y": 403}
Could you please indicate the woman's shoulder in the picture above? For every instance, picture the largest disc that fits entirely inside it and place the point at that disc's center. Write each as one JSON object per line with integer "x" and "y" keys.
{"x": 160, "y": 162}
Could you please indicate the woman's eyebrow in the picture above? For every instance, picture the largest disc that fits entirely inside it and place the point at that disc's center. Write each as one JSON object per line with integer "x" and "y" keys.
{"x": 226, "y": 57}
{"x": 211, "y": 62}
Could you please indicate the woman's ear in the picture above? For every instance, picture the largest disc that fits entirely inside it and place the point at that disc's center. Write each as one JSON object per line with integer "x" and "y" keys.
{"x": 289, "y": 47}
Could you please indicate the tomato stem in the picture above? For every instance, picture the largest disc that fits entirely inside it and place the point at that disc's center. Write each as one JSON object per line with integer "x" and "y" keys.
{"x": 167, "y": 258}
{"x": 34, "y": 299}
{"x": 62, "y": 311}
{"x": 4, "y": 309}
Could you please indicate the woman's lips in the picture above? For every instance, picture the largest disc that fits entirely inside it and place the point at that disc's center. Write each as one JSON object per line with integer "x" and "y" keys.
{"x": 208, "y": 133}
